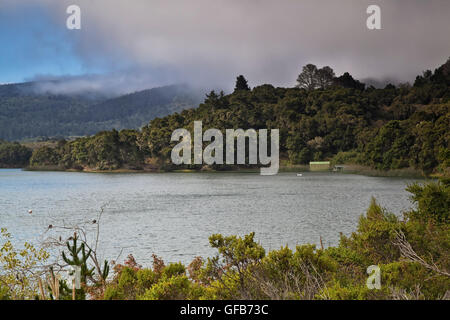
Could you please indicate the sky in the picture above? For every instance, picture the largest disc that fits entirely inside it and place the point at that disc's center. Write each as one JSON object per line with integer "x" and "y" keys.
{"x": 131, "y": 45}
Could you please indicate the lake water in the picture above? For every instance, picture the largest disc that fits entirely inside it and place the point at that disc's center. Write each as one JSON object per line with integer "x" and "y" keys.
{"x": 173, "y": 214}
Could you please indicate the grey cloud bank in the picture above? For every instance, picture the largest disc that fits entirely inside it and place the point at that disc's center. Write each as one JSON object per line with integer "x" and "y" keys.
{"x": 109, "y": 85}
{"x": 209, "y": 43}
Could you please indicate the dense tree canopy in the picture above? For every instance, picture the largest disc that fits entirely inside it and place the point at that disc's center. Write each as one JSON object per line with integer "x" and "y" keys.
{"x": 13, "y": 155}
{"x": 347, "y": 81}
{"x": 390, "y": 128}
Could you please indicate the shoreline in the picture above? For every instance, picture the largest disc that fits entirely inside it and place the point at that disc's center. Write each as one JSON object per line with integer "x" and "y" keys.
{"x": 348, "y": 169}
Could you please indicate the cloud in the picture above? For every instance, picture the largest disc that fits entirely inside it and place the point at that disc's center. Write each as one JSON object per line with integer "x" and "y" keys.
{"x": 108, "y": 85}
{"x": 207, "y": 42}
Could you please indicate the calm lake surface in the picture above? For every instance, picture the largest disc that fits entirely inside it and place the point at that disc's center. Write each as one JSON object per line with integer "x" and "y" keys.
{"x": 173, "y": 214}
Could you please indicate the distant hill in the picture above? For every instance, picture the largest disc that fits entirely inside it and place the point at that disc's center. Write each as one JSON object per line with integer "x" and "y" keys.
{"x": 26, "y": 113}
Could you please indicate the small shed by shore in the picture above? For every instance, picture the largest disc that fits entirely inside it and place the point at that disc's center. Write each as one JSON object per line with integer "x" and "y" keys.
{"x": 319, "y": 165}
{"x": 338, "y": 168}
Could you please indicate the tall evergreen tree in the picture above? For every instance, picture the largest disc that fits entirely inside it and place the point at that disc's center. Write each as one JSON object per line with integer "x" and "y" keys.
{"x": 241, "y": 84}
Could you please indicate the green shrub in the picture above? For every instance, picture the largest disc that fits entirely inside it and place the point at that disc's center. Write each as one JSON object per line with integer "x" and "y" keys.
{"x": 4, "y": 293}
{"x": 242, "y": 269}
{"x": 173, "y": 288}
{"x": 375, "y": 235}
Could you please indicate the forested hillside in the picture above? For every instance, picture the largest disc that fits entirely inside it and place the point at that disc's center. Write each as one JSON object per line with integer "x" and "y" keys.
{"x": 324, "y": 117}
{"x": 25, "y": 113}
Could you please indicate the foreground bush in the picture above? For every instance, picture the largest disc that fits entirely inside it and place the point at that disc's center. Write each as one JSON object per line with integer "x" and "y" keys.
{"x": 243, "y": 270}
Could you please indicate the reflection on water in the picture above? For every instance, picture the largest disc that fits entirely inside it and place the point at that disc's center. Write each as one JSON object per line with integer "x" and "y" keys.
{"x": 172, "y": 214}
